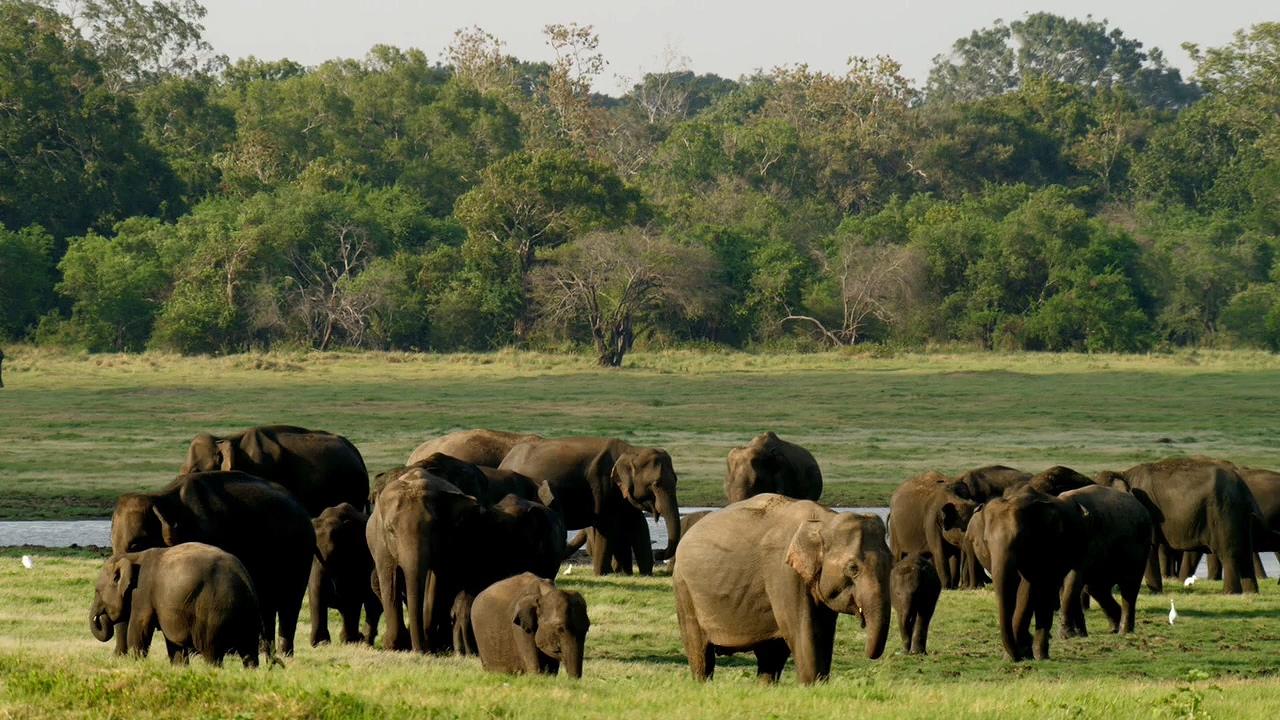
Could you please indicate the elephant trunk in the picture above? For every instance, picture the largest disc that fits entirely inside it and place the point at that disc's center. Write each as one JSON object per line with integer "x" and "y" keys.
{"x": 571, "y": 657}
{"x": 665, "y": 505}
{"x": 99, "y": 624}
{"x": 1005, "y": 579}
{"x": 876, "y": 617}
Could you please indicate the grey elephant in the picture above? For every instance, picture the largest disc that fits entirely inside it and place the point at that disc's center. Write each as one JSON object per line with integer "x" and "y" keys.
{"x": 320, "y": 469}
{"x": 929, "y": 514}
{"x": 1197, "y": 504}
{"x": 770, "y": 574}
{"x": 465, "y": 476}
{"x": 915, "y": 586}
{"x": 259, "y": 522}
{"x": 1116, "y": 541}
{"x": 605, "y": 484}
{"x": 525, "y": 624}
{"x": 341, "y": 576}
{"x": 481, "y": 447}
{"x": 198, "y": 596}
{"x": 769, "y": 464}
{"x": 464, "y": 636}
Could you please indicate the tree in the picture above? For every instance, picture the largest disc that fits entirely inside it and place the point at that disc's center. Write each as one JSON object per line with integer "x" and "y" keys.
{"x": 72, "y": 155}
{"x": 1086, "y": 53}
{"x": 607, "y": 281}
{"x": 26, "y": 279}
{"x": 861, "y": 282}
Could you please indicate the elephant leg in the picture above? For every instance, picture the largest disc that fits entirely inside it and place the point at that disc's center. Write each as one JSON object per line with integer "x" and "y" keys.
{"x": 350, "y": 613}
{"x": 702, "y": 657}
{"x": 1154, "y": 578}
{"x": 268, "y": 642}
{"x": 142, "y": 627}
{"x": 1237, "y": 573}
{"x": 1187, "y": 566}
{"x": 1006, "y": 583}
{"x": 953, "y": 564}
{"x": 923, "y": 612}
{"x": 1168, "y": 561}
{"x": 1259, "y": 572}
{"x": 812, "y": 642}
{"x": 640, "y": 544}
{"x": 316, "y": 604}
{"x": 122, "y": 637}
{"x": 288, "y": 614}
{"x": 389, "y": 578}
{"x": 1073, "y": 622}
{"x": 1128, "y": 604}
{"x": 1022, "y": 613}
{"x": 177, "y": 654}
{"x": 1045, "y": 602}
{"x": 601, "y": 553}
{"x": 1112, "y": 609}
{"x": 771, "y": 657}
{"x": 372, "y": 612}
{"x": 906, "y": 626}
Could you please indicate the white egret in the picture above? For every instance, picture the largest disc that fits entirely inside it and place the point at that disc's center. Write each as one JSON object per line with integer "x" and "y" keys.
{"x": 27, "y": 562}
{"x": 1173, "y": 612}
{"x": 1189, "y": 581}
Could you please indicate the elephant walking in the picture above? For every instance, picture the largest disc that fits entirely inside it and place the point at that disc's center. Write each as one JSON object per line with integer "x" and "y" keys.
{"x": 606, "y": 485}
{"x": 770, "y": 574}
{"x": 1197, "y": 504}
{"x": 341, "y": 576}
{"x": 929, "y": 514}
{"x": 1117, "y": 539}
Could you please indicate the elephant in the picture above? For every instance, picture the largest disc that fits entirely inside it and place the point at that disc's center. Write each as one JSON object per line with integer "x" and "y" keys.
{"x": 525, "y": 624}
{"x": 770, "y": 574}
{"x": 500, "y": 483}
{"x": 1116, "y": 541}
{"x": 341, "y": 576}
{"x": 607, "y": 485}
{"x": 430, "y": 541}
{"x": 929, "y": 513}
{"x": 1, "y": 368}
{"x": 769, "y": 464}
{"x": 464, "y": 636}
{"x": 1197, "y": 504}
{"x": 256, "y": 520}
{"x": 975, "y": 541}
{"x": 1031, "y": 540}
{"x": 485, "y": 448}
{"x": 200, "y": 597}
{"x": 915, "y": 588}
{"x": 465, "y": 476}
{"x": 991, "y": 481}
{"x": 321, "y": 469}
{"x": 1058, "y": 480}
{"x": 1265, "y": 486}
{"x": 622, "y": 549}
{"x": 687, "y": 521}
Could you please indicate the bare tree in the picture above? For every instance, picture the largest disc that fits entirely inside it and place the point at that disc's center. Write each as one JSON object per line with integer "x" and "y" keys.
{"x": 321, "y": 287}
{"x": 863, "y": 282}
{"x": 608, "y": 280}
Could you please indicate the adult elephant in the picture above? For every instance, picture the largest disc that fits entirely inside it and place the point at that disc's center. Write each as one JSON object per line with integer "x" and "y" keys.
{"x": 605, "y": 484}
{"x": 769, "y": 464}
{"x": 430, "y": 541}
{"x": 481, "y": 447}
{"x": 770, "y": 574}
{"x": 256, "y": 520}
{"x": 1196, "y": 504}
{"x": 929, "y": 513}
{"x": 1032, "y": 540}
{"x": 466, "y": 476}
{"x": 1113, "y": 553}
{"x": 321, "y": 469}
{"x": 1265, "y": 486}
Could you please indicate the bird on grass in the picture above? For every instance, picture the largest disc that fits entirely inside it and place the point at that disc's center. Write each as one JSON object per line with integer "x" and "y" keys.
{"x": 1173, "y": 613}
{"x": 27, "y": 562}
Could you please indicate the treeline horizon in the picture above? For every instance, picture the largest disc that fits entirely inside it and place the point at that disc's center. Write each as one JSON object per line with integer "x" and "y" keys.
{"x": 1054, "y": 185}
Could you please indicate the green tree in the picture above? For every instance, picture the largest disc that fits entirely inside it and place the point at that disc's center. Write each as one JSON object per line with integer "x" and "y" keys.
{"x": 26, "y": 279}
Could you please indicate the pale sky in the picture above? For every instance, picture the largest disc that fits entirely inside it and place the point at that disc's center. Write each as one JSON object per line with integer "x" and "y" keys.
{"x": 727, "y": 37}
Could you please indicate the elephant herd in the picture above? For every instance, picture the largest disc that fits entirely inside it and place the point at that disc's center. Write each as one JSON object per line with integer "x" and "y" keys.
{"x": 459, "y": 548}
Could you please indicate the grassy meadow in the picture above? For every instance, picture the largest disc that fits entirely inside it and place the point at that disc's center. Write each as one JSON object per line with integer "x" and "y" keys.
{"x": 1219, "y": 660}
{"x": 77, "y": 430}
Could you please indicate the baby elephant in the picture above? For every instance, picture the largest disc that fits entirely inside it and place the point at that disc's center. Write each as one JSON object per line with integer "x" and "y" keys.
{"x": 525, "y": 624}
{"x": 464, "y": 638}
{"x": 200, "y": 597}
{"x": 341, "y": 576}
{"x": 915, "y": 588}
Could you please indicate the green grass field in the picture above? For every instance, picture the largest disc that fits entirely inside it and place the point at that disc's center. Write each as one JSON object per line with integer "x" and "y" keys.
{"x": 1219, "y": 661}
{"x": 75, "y": 431}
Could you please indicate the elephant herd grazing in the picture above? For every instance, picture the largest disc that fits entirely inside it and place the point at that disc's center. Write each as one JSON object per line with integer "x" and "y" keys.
{"x": 459, "y": 548}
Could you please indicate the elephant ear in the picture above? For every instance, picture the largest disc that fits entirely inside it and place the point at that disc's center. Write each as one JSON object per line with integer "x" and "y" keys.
{"x": 624, "y": 476}
{"x": 804, "y": 555}
{"x": 547, "y": 497}
{"x": 167, "y": 508}
{"x": 260, "y": 447}
{"x": 126, "y": 576}
{"x": 526, "y": 615}
{"x": 949, "y": 516}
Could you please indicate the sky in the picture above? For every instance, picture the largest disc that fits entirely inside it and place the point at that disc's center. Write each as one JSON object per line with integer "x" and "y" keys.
{"x": 726, "y": 37}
